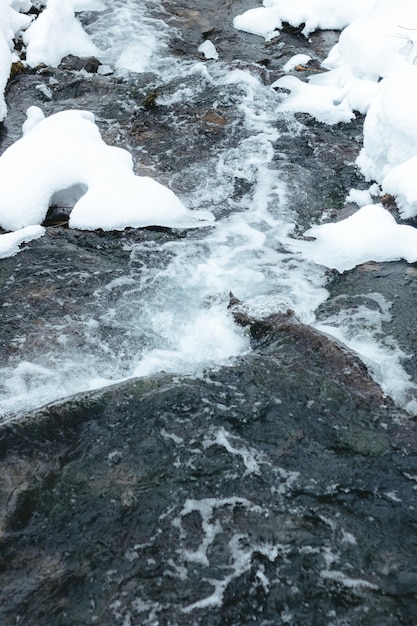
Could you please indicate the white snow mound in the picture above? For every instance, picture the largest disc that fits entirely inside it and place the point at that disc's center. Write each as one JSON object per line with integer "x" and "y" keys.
{"x": 380, "y": 39}
{"x": 370, "y": 234}
{"x": 11, "y": 23}
{"x": 57, "y": 33}
{"x": 324, "y": 14}
{"x": 63, "y": 158}
{"x": 389, "y": 153}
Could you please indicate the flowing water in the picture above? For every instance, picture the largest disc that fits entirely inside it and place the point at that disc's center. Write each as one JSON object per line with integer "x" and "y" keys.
{"x": 166, "y": 309}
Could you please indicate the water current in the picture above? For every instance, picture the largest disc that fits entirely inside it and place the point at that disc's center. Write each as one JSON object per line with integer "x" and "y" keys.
{"x": 171, "y": 313}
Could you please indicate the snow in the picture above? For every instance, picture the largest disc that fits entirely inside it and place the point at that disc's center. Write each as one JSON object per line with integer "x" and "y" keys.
{"x": 325, "y": 104}
{"x": 208, "y": 49}
{"x": 10, "y": 242}
{"x": 324, "y": 14}
{"x": 64, "y": 158}
{"x": 379, "y": 39}
{"x": 297, "y": 59}
{"x": 5, "y": 65}
{"x": 389, "y": 153}
{"x": 11, "y": 23}
{"x": 361, "y": 197}
{"x": 379, "y": 43}
{"x": 370, "y": 234}
{"x": 55, "y": 34}
{"x": 21, "y": 5}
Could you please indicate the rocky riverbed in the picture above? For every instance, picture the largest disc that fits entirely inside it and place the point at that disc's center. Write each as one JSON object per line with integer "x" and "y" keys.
{"x": 279, "y": 488}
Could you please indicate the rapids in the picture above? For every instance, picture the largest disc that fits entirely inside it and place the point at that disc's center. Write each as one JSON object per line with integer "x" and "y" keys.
{"x": 211, "y": 131}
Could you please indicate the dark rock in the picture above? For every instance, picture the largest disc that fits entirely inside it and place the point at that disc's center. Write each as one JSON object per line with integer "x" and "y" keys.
{"x": 295, "y": 31}
{"x": 397, "y": 283}
{"x": 150, "y": 101}
{"x": 273, "y": 491}
{"x": 73, "y": 63}
{"x": 56, "y": 216}
{"x": 17, "y": 68}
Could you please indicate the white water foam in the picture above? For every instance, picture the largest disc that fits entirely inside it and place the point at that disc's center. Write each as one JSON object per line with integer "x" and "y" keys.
{"x": 241, "y": 549}
{"x": 360, "y": 328}
{"x": 128, "y": 38}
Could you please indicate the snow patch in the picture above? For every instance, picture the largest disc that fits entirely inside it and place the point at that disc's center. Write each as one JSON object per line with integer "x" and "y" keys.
{"x": 324, "y": 14}
{"x": 370, "y": 234}
{"x": 208, "y": 49}
{"x": 10, "y": 242}
{"x": 74, "y": 159}
{"x": 57, "y": 33}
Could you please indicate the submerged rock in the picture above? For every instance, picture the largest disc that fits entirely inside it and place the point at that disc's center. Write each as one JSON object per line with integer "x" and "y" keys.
{"x": 273, "y": 491}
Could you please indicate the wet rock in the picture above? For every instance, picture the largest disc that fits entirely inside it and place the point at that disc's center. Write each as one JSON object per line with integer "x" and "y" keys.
{"x": 73, "y": 63}
{"x": 150, "y": 101}
{"x": 396, "y": 283}
{"x": 270, "y": 491}
{"x": 318, "y": 166}
{"x": 67, "y": 279}
{"x": 17, "y": 68}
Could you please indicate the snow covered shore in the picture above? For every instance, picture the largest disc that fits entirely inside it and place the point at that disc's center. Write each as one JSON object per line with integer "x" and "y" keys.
{"x": 371, "y": 70}
{"x": 63, "y": 157}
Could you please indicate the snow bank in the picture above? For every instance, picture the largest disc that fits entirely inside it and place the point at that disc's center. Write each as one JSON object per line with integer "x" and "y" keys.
{"x": 389, "y": 153}
{"x": 380, "y": 39}
{"x": 64, "y": 157}
{"x": 53, "y": 35}
{"x": 371, "y": 234}
{"x": 56, "y": 33}
{"x": 327, "y": 105}
{"x": 325, "y": 14}
{"x": 377, "y": 45}
{"x": 11, "y": 23}
{"x": 379, "y": 42}
{"x": 5, "y": 59}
